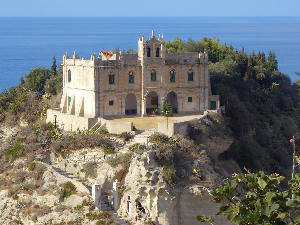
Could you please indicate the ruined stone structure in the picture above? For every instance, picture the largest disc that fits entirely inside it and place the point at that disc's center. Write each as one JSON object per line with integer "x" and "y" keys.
{"x": 136, "y": 84}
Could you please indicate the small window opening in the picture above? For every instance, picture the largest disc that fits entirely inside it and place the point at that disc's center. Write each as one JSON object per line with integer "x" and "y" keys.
{"x": 157, "y": 52}
{"x": 190, "y": 76}
{"x": 172, "y": 76}
{"x": 190, "y": 99}
{"x": 111, "y": 78}
{"x": 69, "y": 76}
{"x": 111, "y": 102}
{"x": 148, "y": 52}
{"x": 131, "y": 78}
{"x": 153, "y": 75}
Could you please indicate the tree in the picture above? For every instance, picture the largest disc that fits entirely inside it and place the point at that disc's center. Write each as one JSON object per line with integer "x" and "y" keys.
{"x": 54, "y": 83}
{"x": 53, "y": 71}
{"x": 256, "y": 198}
{"x": 36, "y": 79}
{"x": 167, "y": 109}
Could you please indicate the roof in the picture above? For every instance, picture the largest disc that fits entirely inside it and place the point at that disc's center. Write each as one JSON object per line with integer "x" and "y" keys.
{"x": 108, "y": 54}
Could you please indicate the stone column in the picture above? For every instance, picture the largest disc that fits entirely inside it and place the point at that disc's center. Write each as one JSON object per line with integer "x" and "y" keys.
{"x": 115, "y": 195}
{"x": 96, "y": 194}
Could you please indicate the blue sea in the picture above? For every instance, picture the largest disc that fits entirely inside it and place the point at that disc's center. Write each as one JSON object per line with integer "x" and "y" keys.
{"x": 26, "y": 43}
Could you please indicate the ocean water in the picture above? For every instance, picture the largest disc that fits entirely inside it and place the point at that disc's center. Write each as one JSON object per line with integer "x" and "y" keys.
{"x": 27, "y": 43}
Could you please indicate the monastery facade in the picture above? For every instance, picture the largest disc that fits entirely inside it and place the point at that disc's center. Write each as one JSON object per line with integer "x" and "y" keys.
{"x": 137, "y": 84}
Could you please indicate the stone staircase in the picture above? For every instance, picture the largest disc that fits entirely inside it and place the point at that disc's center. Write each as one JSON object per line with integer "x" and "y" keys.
{"x": 141, "y": 138}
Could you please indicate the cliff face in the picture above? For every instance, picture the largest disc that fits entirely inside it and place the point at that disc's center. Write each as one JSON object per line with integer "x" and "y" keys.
{"x": 166, "y": 183}
{"x": 147, "y": 197}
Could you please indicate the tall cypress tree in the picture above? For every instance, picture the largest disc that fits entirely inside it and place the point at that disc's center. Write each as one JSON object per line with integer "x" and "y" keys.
{"x": 53, "y": 71}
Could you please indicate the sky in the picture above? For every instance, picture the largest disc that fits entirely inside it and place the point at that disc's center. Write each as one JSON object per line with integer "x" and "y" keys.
{"x": 96, "y": 8}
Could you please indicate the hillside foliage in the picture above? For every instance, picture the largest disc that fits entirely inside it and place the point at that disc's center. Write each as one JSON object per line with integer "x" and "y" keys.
{"x": 261, "y": 104}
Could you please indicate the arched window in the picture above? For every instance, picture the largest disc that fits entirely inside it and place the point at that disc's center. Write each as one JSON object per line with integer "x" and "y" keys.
{"x": 157, "y": 52}
{"x": 148, "y": 52}
{"x": 172, "y": 76}
{"x": 131, "y": 78}
{"x": 69, "y": 76}
{"x": 190, "y": 75}
{"x": 153, "y": 75}
{"x": 111, "y": 78}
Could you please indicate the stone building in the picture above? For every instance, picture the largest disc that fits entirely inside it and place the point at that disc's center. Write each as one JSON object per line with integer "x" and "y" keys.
{"x": 136, "y": 84}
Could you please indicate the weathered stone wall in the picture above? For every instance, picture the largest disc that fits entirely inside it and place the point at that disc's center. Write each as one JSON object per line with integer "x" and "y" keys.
{"x": 69, "y": 122}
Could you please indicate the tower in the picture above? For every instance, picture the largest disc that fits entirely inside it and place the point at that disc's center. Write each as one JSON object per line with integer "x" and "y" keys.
{"x": 152, "y": 48}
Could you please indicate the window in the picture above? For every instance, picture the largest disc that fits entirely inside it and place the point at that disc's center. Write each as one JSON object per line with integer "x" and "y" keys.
{"x": 157, "y": 52}
{"x": 190, "y": 76}
{"x": 148, "y": 52}
{"x": 153, "y": 75}
{"x": 213, "y": 105}
{"x": 172, "y": 76}
{"x": 69, "y": 101}
{"x": 190, "y": 99}
{"x": 69, "y": 76}
{"x": 111, "y": 78}
{"x": 131, "y": 78}
{"x": 111, "y": 102}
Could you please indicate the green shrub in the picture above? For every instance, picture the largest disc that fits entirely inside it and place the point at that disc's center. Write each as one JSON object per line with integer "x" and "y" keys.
{"x": 167, "y": 109}
{"x": 169, "y": 175}
{"x": 124, "y": 160}
{"x": 68, "y": 189}
{"x": 32, "y": 166}
{"x": 14, "y": 150}
{"x": 137, "y": 148}
{"x": 125, "y": 136}
{"x": 158, "y": 138}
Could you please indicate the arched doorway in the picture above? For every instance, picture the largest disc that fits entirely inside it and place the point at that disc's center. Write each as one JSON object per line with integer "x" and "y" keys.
{"x": 152, "y": 102}
{"x": 172, "y": 98}
{"x": 130, "y": 104}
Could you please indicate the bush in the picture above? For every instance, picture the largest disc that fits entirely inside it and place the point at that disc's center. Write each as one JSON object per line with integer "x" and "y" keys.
{"x": 158, "y": 138}
{"x": 125, "y": 136}
{"x": 68, "y": 189}
{"x": 14, "y": 150}
{"x": 137, "y": 148}
{"x": 32, "y": 166}
{"x": 124, "y": 160}
{"x": 169, "y": 175}
{"x": 167, "y": 109}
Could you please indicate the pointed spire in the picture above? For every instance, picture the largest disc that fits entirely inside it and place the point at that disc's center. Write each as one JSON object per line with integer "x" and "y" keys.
{"x": 74, "y": 55}
{"x": 152, "y": 33}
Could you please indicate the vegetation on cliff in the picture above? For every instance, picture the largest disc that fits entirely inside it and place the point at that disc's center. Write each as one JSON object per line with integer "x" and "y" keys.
{"x": 261, "y": 104}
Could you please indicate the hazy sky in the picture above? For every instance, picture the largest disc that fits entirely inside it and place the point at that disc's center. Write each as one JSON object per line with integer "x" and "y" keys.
{"x": 150, "y": 8}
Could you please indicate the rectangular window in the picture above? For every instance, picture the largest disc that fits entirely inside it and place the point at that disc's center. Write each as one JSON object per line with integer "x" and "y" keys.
{"x": 111, "y": 79}
{"x": 148, "y": 52}
{"x": 190, "y": 99}
{"x": 153, "y": 76}
{"x": 172, "y": 77}
{"x": 69, "y": 101}
{"x": 131, "y": 79}
{"x": 111, "y": 102}
{"x": 69, "y": 76}
{"x": 190, "y": 76}
{"x": 213, "y": 105}
{"x": 157, "y": 52}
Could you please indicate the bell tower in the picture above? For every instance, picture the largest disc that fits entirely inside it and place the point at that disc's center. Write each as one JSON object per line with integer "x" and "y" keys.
{"x": 152, "y": 48}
